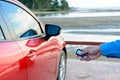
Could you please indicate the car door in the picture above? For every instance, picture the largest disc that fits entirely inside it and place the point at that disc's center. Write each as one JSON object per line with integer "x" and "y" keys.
{"x": 11, "y": 58}
{"x": 39, "y": 54}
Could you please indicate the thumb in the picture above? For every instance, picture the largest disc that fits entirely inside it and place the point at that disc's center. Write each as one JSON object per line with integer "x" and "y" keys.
{"x": 84, "y": 51}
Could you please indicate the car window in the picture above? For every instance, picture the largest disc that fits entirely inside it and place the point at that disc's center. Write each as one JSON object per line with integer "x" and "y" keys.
{"x": 22, "y": 22}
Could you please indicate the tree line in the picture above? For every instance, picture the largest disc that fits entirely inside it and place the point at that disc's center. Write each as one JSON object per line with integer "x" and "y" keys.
{"x": 50, "y": 5}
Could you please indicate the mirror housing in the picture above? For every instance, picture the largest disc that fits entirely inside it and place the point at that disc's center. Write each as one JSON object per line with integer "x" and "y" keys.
{"x": 52, "y": 30}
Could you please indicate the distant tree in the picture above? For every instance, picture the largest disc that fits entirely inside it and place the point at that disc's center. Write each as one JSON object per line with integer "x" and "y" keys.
{"x": 46, "y": 4}
{"x": 28, "y": 3}
{"x": 55, "y": 5}
{"x": 64, "y": 5}
{"x": 35, "y": 4}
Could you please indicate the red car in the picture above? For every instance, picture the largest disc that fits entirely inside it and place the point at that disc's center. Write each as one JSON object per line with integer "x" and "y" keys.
{"x": 29, "y": 50}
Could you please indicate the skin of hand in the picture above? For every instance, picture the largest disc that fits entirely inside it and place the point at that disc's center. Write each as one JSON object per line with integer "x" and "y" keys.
{"x": 92, "y": 52}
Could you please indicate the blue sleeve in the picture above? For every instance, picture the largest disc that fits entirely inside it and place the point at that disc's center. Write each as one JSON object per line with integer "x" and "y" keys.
{"x": 111, "y": 49}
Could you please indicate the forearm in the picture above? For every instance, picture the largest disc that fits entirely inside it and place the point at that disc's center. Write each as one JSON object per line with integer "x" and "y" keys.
{"x": 111, "y": 49}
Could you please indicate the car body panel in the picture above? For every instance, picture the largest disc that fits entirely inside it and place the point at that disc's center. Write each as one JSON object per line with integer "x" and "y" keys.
{"x": 41, "y": 58}
{"x": 11, "y": 62}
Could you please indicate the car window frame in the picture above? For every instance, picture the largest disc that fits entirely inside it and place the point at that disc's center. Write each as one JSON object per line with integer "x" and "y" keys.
{"x": 11, "y": 27}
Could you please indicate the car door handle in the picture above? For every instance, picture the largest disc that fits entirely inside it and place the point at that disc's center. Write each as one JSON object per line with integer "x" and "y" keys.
{"x": 32, "y": 55}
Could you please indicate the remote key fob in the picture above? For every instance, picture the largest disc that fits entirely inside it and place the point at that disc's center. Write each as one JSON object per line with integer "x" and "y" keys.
{"x": 78, "y": 53}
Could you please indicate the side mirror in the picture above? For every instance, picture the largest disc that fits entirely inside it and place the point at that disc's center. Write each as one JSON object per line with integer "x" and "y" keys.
{"x": 52, "y": 30}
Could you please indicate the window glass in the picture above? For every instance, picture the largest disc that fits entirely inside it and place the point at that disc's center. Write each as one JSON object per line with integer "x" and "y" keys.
{"x": 22, "y": 22}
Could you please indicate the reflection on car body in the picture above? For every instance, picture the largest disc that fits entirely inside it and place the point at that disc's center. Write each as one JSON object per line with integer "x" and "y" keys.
{"x": 28, "y": 33}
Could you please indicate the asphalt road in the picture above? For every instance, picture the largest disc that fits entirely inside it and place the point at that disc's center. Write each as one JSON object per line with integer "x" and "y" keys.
{"x": 92, "y": 70}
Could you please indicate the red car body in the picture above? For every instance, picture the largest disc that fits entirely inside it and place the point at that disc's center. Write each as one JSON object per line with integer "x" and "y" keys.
{"x": 30, "y": 58}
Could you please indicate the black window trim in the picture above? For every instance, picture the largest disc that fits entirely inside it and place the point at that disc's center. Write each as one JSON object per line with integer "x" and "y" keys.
{"x": 3, "y": 33}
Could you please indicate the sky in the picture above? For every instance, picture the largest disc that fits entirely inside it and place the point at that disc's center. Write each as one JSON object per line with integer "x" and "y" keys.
{"x": 94, "y": 3}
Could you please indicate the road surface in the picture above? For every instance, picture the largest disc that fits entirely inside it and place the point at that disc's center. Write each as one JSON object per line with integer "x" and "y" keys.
{"x": 92, "y": 70}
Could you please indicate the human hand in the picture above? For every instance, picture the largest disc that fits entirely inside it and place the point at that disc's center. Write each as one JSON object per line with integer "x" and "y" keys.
{"x": 92, "y": 52}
